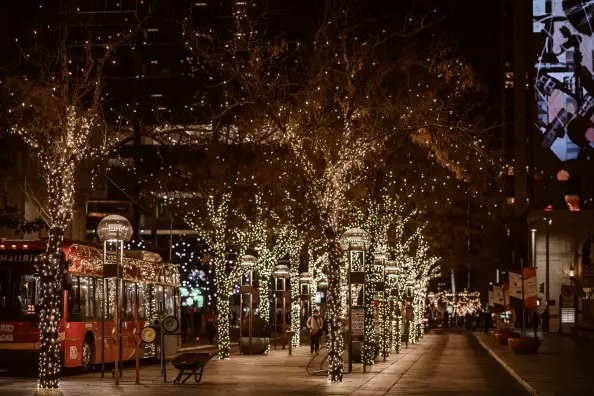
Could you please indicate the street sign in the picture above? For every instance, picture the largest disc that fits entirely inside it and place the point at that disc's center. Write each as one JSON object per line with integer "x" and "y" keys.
{"x": 357, "y": 321}
{"x": 170, "y": 324}
{"x": 357, "y": 277}
{"x": 148, "y": 335}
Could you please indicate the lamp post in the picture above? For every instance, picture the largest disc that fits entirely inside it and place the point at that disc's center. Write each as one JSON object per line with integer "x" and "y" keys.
{"x": 547, "y": 257}
{"x": 113, "y": 229}
{"x": 391, "y": 270}
{"x": 281, "y": 274}
{"x": 351, "y": 241}
{"x": 246, "y": 287}
{"x": 305, "y": 292}
{"x": 380, "y": 262}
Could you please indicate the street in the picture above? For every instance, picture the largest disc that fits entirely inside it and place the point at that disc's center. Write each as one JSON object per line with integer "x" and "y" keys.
{"x": 444, "y": 363}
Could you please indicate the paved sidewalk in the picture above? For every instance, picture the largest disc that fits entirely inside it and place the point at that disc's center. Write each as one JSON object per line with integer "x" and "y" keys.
{"x": 563, "y": 365}
{"x": 444, "y": 363}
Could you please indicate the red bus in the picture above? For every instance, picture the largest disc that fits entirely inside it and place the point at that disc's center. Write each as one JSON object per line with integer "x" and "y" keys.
{"x": 146, "y": 279}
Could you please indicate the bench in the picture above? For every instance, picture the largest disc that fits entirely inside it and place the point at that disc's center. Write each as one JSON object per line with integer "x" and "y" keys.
{"x": 190, "y": 364}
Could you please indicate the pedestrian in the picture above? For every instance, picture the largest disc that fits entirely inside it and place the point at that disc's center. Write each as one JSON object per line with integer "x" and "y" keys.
{"x": 197, "y": 322}
{"x": 315, "y": 324}
{"x": 185, "y": 322}
{"x": 211, "y": 325}
{"x": 487, "y": 322}
{"x": 233, "y": 319}
{"x": 468, "y": 322}
{"x": 545, "y": 320}
{"x": 535, "y": 322}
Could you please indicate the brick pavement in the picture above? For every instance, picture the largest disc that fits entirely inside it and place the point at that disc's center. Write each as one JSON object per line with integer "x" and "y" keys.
{"x": 563, "y": 365}
{"x": 443, "y": 363}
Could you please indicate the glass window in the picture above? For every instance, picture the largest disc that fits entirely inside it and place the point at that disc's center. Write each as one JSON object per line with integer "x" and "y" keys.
{"x": 143, "y": 300}
{"x": 19, "y": 292}
{"x": 74, "y": 297}
{"x": 111, "y": 293}
{"x": 159, "y": 299}
{"x": 130, "y": 299}
{"x": 99, "y": 296}
{"x": 91, "y": 298}
{"x": 169, "y": 301}
{"x": 83, "y": 295}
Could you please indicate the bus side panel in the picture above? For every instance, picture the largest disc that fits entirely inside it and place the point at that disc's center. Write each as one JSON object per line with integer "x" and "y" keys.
{"x": 75, "y": 332}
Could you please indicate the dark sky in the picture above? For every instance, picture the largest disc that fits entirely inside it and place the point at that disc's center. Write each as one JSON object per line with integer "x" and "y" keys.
{"x": 471, "y": 24}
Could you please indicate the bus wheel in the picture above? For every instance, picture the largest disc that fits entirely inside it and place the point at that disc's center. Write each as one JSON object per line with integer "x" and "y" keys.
{"x": 88, "y": 355}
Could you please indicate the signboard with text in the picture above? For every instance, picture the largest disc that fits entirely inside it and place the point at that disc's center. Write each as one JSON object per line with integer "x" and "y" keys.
{"x": 357, "y": 321}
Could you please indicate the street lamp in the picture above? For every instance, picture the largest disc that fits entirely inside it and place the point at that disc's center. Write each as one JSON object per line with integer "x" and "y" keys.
{"x": 113, "y": 229}
{"x": 281, "y": 273}
{"x": 380, "y": 261}
{"x": 351, "y": 241}
{"x": 323, "y": 283}
{"x": 305, "y": 291}
{"x": 392, "y": 270}
{"x": 246, "y": 287}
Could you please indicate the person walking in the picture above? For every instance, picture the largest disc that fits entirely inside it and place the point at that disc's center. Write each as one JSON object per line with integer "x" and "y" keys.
{"x": 211, "y": 325}
{"x": 545, "y": 320}
{"x": 487, "y": 322}
{"x": 535, "y": 323}
{"x": 185, "y": 323}
{"x": 197, "y": 319}
{"x": 315, "y": 324}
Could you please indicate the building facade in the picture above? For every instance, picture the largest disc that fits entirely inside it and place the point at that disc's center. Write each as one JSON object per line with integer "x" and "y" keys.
{"x": 547, "y": 62}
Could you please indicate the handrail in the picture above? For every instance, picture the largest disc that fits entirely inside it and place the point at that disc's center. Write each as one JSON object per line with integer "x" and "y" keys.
{"x": 320, "y": 371}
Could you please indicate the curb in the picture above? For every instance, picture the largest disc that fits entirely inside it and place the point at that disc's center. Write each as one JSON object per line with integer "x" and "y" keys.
{"x": 510, "y": 370}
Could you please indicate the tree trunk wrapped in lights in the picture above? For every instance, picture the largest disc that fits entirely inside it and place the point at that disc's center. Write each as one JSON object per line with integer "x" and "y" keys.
{"x": 295, "y": 297}
{"x": 334, "y": 306}
{"x": 264, "y": 303}
{"x": 369, "y": 339}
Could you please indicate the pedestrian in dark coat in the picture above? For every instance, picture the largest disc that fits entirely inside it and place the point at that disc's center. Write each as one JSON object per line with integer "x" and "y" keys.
{"x": 535, "y": 322}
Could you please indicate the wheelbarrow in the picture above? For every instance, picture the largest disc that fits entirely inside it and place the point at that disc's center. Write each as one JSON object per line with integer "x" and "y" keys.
{"x": 190, "y": 364}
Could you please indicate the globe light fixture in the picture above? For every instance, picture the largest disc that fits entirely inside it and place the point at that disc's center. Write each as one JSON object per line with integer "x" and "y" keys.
{"x": 304, "y": 278}
{"x": 354, "y": 239}
{"x": 392, "y": 267}
{"x": 248, "y": 261}
{"x": 114, "y": 228}
{"x": 281, "y": 271}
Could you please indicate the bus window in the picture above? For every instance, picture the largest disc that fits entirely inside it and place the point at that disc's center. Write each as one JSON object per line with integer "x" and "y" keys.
{"x": 74, "y": 297}
{"x": 110, "y": 294}
{"x": 130, "y": 297}
{"x": 87, "y": 296}
{"x": 169, "y": 305}
{"x": 99, "y": 297}
{"x": 91, "y": 310}
{"x": 143, "y": 300}
{"x": 159, "y": 299}
{"x": 83, "y": 291}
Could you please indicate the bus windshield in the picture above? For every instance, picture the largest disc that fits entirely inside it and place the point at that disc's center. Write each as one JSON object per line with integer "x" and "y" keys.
{"x": 19, "y": 292}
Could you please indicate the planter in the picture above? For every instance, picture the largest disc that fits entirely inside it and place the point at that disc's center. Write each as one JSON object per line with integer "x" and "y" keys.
{"x": 259, "y": 345}
{"x": 357, "y": 350}
{"x": 503, "y": 335}
{"x": 524, "y": 345}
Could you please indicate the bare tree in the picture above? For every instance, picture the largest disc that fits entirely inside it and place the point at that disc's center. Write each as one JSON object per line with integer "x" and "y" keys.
{"x": 54, "y": 103}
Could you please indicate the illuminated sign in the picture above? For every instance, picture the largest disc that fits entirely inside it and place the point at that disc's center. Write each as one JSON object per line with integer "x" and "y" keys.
{"x": 18, "y": 257}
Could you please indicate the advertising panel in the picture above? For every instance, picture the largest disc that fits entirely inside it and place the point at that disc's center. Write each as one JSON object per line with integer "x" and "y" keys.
{"x": 564, "y": 89}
